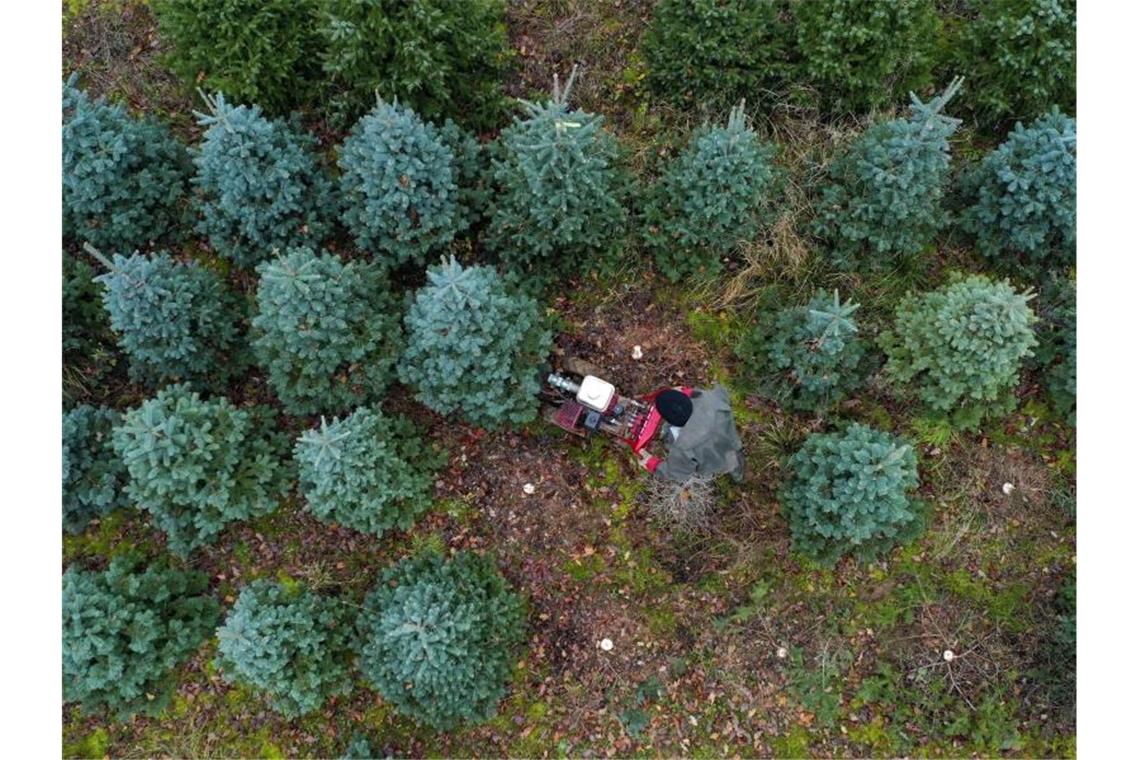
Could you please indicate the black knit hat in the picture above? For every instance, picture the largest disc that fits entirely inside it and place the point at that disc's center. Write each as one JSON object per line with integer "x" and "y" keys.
{"x": 674, "y": 406}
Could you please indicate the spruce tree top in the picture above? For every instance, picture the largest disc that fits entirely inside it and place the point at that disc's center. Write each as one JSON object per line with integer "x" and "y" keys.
{"x": 808, "y": 356}
{"x": 438, "y": 637}
{"x": 123, "y": 178}
{"x": 399, "y": 185}
{"x": 474, "y": 346}
{"x": 1025, "y": 212}
{"x": 197, "y": 465}
{"x": 711, "y": 198}
{"x": 327, "y": 331}
{"x": 261, "y": 183}
{"x": 175, "y": 320}
{"x": 886, "y": 188}
{"x": 559, "y": 190}
{"x": 961, "y": 347}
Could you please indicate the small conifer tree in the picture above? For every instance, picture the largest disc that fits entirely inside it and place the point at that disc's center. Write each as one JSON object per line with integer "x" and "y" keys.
{"x": 808, "y": 357}
{"x": 712, "y": 53}
{"x": 295, "y": 645}
{"x": 885, "y": 191}
{"x": 557, "y": 202}
{"x": 398, "y": 183}
{"x": 261, "y": 186}
{"x": 862, "y": 54}
{"x": 848, "y": 493}
{"x": 1056, "y": 354}
{"x": 960, "y": 348}
{"x": 123, "y": 179}
{"x": 85, "y": 325}
{"x": 196, "y": 465}
{"x": 94, "y": 478}
{"x": 712, "y": 197}
{"x": 369, "y": 471}
{"x": 474, "y": 347}
{"x": 255, "y": 52}
{"x": 1024, "y": 213}
{"x": 326, "y": 331}
{"x": 1023, "y": 55}
{"x": 444, "y": 59}
{"x": 126, "y": 629}
{"x": 437, "y": 638}
{"x": 175, "y": 321}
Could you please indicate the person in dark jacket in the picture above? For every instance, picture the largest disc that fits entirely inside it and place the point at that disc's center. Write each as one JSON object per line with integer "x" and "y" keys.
{"x": 700, "y": 434}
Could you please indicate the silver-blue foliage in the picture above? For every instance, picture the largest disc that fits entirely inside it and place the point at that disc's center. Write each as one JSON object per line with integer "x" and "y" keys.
{"x": 175, "y": 321}
{"x": 123, "y": 179}
{"x": 260, "y": 184}
{"x": 884, "y": 197}
{"x": 399, "y": 185}
{"x": 197, "y": 466}
{"x": 710, "y": 199}
{"x": 94, "y": 478}
{"x": 326, "y": 331}
{"x": 849, "y": 492}
{"x": 474, "y": 347}
{"x": 438, "y": 638}
{"x": 369, "y": 471}
{"x": 289, "y": 642}
{"x": 1024, "y": 212}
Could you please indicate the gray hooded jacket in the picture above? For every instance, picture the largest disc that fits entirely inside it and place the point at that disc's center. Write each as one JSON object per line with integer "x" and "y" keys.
{"x": 708, "y": 443}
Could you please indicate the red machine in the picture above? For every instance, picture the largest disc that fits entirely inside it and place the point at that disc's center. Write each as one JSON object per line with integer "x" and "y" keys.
{"x": 585, "y": 404}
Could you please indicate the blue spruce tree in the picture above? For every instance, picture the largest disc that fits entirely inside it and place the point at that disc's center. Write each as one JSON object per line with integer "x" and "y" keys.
{"x": 326, "y": 331}
{"x": 710, "y": 199}
{"x": 884, "y": 199}
{"x": 398, "y": 183}
{"x": 1024, "y": 214}
{"x": 123, "y": 179}
{"x": 474, "y": 347}
{"x": 261, "y": 185}
{"x": 557, "y": 203}
{"x": 175, "y": 321}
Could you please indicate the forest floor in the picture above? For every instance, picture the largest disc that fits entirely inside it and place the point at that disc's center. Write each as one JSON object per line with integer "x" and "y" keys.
{"x": 725, "y": 643}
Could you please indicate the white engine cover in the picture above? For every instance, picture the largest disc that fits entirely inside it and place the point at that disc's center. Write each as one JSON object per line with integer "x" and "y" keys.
{"x": 596, "y": 393}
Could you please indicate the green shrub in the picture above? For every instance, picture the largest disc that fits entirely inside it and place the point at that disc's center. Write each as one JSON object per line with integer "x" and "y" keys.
{"x": 123, "y": 179}
{"x": 261, "y": 185}
{"x": 326, "y": 331}
{"x": 126, "y": 629}
{"x": 174, "y": 320}
{"x": 369, "y": 471}
{"x": 807, "y": 357}
{"x": 289, "y": 642}
{"x": 93, "y": 475}
{"x": 198, "y": 465}
{"x": 438, "y": 638}
{"x": 713, "y": 53}
{"x": 1022, "y": 58}
{"x": 1056, "y": 353}
{"x": 258, "y": 52}
{"x": 960, "y": 348}
{"x": 863, "y": 54}
{"x": 86, "y": 329}
{"x": 884, "y": 195}
{"x": 848, "y": 493}
{"x": 1024, "y": 212}
{"x": 710, "y": 199}
{"x": 444, "y": 58}
{"x": 398, "y": 184}
{"x": 557, "y": 203}
{"x": 474, "y": 347}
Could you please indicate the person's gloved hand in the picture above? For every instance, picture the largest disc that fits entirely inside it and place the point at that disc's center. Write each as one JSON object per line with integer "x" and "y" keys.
{"x": 643, "y": 458}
